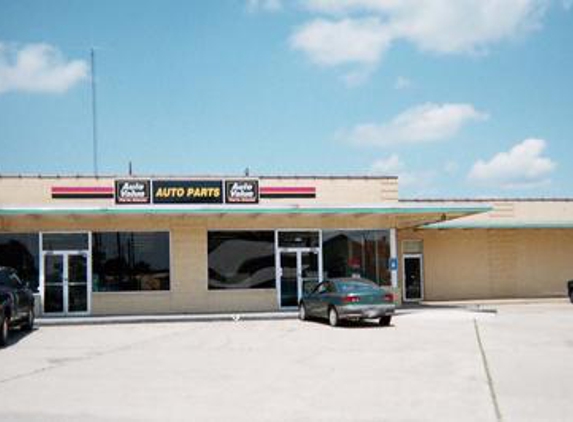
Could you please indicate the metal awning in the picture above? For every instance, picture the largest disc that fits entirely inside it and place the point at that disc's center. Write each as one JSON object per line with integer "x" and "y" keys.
{"x": 405, "y": 215}
{"x": 491, "y": 225}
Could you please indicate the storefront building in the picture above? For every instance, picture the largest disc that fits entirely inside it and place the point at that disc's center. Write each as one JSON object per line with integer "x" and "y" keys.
{"x": 140, "y": 245}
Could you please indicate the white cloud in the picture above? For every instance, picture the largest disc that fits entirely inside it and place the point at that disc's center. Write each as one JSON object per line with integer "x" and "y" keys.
{"x": 360, "y": 31}
{"x": 423, "y": 123}
{"x": 264, "y": 5}
{"x": 402, "y": 83}
{"x": 331, "y": 43}
{"x": 394, "y": 166}
{"x": 521, "y": 167}
{"x": 389, "y": 166}
{"x": 38, "y": 68}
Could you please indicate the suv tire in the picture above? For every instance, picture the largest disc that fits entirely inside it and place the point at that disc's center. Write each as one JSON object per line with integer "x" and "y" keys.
{"x": 3, "y": 331}
{"x": 29, "y": 324}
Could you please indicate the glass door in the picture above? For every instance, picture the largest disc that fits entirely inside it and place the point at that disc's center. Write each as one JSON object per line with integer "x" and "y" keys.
{"x": 299, "y": 273}
{"x": 77, "y": 283}
{"x": 288, "y": 279}
{"x": 413, "y": 278}
{"x": 54, "y": 283}
{"x": 66, "y": 283}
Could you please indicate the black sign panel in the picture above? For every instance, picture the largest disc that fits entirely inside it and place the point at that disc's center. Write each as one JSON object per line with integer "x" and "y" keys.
{"x": 241, "y": 191}
{"x": 187, "y": 192}
{"x": 132, "y": 192}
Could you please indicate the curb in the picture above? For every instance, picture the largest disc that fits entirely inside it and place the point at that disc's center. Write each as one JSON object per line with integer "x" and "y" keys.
{"x": 155, "y": 319}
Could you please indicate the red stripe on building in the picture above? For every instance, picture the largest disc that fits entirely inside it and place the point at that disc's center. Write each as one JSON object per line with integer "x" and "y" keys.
{"x": 82, "y": 189}
{"x": 288, "y": 189}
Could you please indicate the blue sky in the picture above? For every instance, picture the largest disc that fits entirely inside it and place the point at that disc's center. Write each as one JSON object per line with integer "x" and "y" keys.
{"x": 457, "y": 97}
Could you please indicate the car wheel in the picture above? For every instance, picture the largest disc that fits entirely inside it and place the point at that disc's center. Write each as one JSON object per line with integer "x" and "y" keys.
{"x": 29, "y": 324}
{"x": 385, "y": 320}
{"x": 3, "y": 331}
{"x": 333, "y": 319}
{"x": 302, "y": 314}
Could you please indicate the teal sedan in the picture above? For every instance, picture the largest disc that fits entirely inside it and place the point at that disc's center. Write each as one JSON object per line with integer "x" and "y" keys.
{"x": 348, "y": 299}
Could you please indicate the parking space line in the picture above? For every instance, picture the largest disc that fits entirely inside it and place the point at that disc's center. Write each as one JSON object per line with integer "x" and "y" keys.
{"x": 488, "y": 374}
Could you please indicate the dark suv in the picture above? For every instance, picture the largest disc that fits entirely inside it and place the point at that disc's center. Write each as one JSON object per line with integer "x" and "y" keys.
{"x": 16, "y": 304}
{"x": 570, "y": 290}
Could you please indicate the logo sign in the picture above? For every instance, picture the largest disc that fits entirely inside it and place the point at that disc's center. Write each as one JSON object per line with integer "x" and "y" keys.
{"x": 241, "y": 191}
{"x": 132, "y": 192}
{"x": 187, "y": 192}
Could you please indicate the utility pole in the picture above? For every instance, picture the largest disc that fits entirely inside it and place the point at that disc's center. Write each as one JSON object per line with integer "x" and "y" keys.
{"x": 94, "y": 112}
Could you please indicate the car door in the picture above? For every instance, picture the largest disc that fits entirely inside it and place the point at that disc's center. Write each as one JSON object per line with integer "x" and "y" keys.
{"x": 21, "y": 295}
{"x": 322, "y": 299}
{"x": 310, "y": 301}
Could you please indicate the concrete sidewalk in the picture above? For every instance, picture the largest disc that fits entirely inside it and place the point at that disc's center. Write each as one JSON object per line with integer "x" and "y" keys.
{"x": 241, "y": 316}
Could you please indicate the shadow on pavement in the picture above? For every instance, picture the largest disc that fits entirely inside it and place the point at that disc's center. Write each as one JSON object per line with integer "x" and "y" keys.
{"x": 16, "y": 335}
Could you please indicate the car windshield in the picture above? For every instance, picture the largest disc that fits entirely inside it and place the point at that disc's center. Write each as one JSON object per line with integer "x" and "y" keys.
{"x": 356, "y": 286}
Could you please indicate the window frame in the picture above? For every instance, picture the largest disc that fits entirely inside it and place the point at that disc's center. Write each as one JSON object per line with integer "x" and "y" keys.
{"x": 131, "y": 292}
{"x": 366, "y": 229}
{"x": 242, "y": 229}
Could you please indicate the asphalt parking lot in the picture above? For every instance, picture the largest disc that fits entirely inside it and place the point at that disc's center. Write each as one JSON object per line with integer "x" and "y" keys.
{"x": 435, "y": 364}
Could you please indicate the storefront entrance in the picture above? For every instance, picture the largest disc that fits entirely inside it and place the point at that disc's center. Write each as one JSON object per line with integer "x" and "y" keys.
{"x": 299, "y": 273}
{"x": 299, "y": 265}
{"x": 66, "y": 274}
{"x": 413, "y": 278}
{"x": 65, "y": 283}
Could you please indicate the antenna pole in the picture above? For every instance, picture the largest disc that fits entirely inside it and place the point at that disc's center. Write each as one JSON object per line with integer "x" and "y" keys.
{"x": 94, "y": 112}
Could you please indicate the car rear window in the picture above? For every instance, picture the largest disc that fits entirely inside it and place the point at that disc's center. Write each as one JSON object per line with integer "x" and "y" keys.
{"x": 356, "y": 286}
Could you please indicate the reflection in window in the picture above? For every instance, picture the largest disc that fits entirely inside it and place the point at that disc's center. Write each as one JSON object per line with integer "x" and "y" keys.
{"x": 65, "y": 241}
{"x": 357, "y": 253}
{"x": 21, "y": 252}
{"x": 298, "y": 239}
{"x": 241, "y": 260}
{"x": 130, "y": 261}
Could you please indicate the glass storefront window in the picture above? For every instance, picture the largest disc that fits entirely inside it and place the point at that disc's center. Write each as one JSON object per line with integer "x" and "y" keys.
{"x": 21, "y": 252}
{"x": 357, "y": 253}
{"x": 130, "y": 261}
{"x": 241, "y": 260}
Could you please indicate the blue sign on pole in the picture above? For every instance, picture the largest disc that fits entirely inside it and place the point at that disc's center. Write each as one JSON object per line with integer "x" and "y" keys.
{"x": 393, "y": 264}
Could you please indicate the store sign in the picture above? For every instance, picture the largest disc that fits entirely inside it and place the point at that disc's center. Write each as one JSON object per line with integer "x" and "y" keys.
{"x": 132, "y": 192}
{"x": 187, "y": 192}
{"x": 241, "y": 191}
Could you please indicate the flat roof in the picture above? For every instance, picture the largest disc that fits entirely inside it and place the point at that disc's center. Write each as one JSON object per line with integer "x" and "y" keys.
{"x": 195, "y": 176}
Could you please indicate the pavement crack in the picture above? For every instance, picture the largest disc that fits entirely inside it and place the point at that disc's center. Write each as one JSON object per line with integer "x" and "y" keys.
{"x": 72, "y": 360}
{"x": 490, "y": 385}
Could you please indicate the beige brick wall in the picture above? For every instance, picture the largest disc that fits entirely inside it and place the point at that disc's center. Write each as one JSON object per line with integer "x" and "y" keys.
{"x": 477, "y": 264}
{"x": 35, "y": 191}
{"x": 189, "y": 273}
